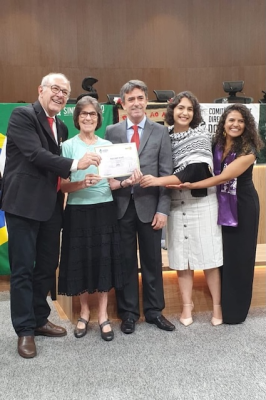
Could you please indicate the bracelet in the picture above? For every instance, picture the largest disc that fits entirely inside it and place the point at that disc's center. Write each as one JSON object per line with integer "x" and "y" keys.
{"x": 121, "y": 185}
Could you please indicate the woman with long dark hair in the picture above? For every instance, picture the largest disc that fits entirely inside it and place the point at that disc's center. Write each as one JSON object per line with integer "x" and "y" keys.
{"x": 236, "y": 147}
{"x": 194, "y": 238}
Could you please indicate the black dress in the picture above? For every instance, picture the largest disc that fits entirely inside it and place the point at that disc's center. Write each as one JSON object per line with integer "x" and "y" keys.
{"x": 239, "y": 247}
{"x": 91, "y": 253}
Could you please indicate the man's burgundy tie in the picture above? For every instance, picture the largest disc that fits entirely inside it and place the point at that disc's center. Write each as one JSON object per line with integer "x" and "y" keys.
{"x": 51, "y": 121}
{"x": 135, "y": 137}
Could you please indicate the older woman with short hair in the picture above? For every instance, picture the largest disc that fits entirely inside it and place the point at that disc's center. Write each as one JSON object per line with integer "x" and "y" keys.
{"x": 91, "y": 256}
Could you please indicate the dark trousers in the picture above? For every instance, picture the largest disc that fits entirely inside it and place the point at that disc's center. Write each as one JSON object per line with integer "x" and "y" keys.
{"x": 33, "y": 256}
{"x": 151, "y": 268}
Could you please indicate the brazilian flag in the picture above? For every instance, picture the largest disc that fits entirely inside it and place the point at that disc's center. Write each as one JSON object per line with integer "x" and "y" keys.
{"x": 4, "y": 263}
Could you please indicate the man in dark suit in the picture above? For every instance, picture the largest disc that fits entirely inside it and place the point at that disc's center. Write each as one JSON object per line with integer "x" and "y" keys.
{"x": 33, "y": 207}
{"x": 142, "y": 212}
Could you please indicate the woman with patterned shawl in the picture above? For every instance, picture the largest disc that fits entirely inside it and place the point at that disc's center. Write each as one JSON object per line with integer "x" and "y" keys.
{"x": 194, "y": 238}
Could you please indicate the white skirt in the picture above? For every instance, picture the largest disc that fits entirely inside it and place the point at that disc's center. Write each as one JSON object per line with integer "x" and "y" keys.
{"x": 194, "y": 238}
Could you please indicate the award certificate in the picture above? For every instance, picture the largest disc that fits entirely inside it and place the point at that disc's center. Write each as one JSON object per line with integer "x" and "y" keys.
{"x": 117, "y": 159}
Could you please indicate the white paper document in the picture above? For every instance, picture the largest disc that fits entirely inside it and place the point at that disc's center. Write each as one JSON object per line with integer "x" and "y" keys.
{"x": 117, "y": 159}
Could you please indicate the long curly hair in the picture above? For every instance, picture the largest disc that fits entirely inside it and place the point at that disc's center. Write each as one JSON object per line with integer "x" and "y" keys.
{"x": 197, "y": 118}
{"x": 249, "y": 140}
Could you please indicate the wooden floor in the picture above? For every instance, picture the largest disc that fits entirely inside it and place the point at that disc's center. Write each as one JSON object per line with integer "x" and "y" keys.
{"x": 69, "y": 307}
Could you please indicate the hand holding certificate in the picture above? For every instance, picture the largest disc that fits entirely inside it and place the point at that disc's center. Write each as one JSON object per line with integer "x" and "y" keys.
{"x": 117, "y": 160}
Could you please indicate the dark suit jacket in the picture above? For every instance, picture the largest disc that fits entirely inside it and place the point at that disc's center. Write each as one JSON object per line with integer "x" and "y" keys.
{"x": 155, "y": 155}
{"x": 32, "y": 164}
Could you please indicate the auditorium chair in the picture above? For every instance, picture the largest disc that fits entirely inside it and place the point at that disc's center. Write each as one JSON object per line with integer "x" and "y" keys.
{"x": 162, "y": 96}
{"x": 232, "y": 87}
{"x": 263, "y": 100}
{"x": 111, "y": 97}
{"x": 234, "y": 99}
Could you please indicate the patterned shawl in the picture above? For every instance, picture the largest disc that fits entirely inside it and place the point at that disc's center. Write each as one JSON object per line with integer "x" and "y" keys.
{"x": 192, "y": 146}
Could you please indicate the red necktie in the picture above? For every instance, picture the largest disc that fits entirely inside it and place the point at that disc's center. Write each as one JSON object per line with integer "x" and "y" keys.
{"x": 51, "y": 121}
{"x": 135, "y": 137}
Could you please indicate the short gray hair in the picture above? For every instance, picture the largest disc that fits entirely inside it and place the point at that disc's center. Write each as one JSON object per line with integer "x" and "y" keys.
{"x": 131, "y": 85}
{"x": 83, "y": 102}
{"x": 47, "y": 80}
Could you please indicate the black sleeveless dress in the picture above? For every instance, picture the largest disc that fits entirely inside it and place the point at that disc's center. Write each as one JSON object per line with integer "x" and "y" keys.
{"x": 239, "y": 249}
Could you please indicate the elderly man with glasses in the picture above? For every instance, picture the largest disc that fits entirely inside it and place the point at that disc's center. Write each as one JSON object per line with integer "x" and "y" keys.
{"x": 33, "y": 206}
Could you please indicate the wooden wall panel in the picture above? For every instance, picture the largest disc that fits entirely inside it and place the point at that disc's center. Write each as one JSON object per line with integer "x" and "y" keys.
{"x": 177, "y": 45}
{"x": 259, "y": 179}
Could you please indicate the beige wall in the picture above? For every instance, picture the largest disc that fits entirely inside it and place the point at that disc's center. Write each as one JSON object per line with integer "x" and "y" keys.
{"x": 173, "y": 44}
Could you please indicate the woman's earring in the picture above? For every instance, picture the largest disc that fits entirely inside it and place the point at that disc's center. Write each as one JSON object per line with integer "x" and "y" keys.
{"x": 224, "y": 134}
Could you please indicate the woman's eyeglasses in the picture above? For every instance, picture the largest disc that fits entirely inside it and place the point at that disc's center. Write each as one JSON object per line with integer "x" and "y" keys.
{"x": 92, "y": 114}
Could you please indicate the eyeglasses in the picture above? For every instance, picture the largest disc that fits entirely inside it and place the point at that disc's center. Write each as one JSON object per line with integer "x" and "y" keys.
{"x": 92, "y": 114}
{"x": 56, "y": 90}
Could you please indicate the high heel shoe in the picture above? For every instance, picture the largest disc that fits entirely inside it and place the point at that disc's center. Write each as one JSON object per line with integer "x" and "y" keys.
{"x": 187, "y": 321}
{"x": 216, "y": 321}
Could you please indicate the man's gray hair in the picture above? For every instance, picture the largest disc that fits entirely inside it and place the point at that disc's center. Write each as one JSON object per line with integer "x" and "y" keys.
{"x": 48, "y": 79}
{"x": 131, "y": 85}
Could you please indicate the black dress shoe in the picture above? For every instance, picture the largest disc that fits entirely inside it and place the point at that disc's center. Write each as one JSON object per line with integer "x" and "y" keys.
{"x": 107, "y": 336}
{"x": 162, "y": 323}
{"x": 128, "y": 325}
{"x": 80, "y": 332}
{"x": 26, "y": 347}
